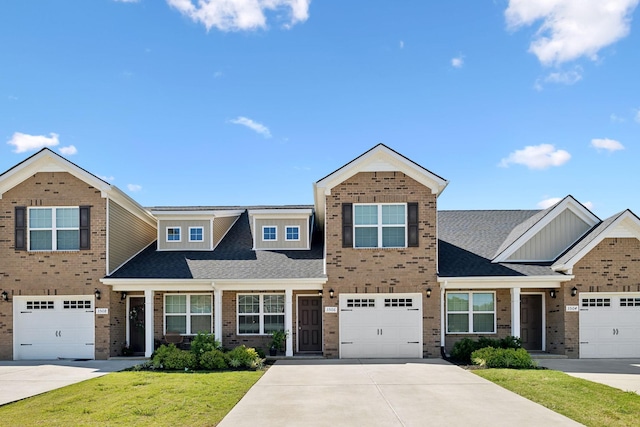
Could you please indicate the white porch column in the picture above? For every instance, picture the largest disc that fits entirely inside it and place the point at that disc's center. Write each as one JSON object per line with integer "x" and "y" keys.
{"x": 217, "y": 315}
{"x": 515, "y": 312}
{"x": 288, "y": 321}
{"x": 148, "y": 323}
{"x": 443, "y": 314}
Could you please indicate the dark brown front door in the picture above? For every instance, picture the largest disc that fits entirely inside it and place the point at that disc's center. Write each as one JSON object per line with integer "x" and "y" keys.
{"x": 136, "y": 325}
{"x": 531, "y": 321}
{"x": 309, "y": 324}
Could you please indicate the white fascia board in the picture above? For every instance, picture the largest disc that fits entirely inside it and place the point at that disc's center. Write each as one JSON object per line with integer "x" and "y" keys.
{"x": 567, "y": 203}
{"x": 506, "y": 282}
{"x": 627, "y": 221}
{"x": 131, "y": 285}
{"x": 279, "y": 213}
{"x": 204, "y": 214}
{"x": 269, "y": 284}
{"x": 47, "y": 161}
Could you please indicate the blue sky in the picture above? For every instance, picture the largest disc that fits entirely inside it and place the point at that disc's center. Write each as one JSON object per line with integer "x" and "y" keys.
{"x": 229, "y": 102}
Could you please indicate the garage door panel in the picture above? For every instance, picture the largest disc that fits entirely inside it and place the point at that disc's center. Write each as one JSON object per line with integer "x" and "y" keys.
{"x": 380, "y": 325}
{"x": 54, "y": 327}
{"x": 609, "y": 325}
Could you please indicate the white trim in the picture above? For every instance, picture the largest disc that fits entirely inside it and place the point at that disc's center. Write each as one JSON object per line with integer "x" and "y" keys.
{"x": 195, "y": 214}
{"x": 471, "y": 312}
{"x": 187, "y": 313}
{"x": 131, "y": 285}
{"x": 567, "y": 203}
{"x": 506, "y": 282}
{"x": 173, "y": 227}
{"x": 275, "y": 239}
{"x": 286, "y": 239}
{"x": 261, "y": 313}
{"x": 149, "y": 326}
{"x": 217, "y": 314}
{"x": 279, "y": 213}
{"x": 201, "y": 232}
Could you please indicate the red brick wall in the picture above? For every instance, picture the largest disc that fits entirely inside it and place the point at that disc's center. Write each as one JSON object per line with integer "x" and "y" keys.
{"x": 382, "y": 270}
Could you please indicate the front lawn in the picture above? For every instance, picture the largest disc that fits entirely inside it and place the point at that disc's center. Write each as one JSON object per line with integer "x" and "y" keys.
{"x": 135, "y": 398}
{"x": 586, "y": 402}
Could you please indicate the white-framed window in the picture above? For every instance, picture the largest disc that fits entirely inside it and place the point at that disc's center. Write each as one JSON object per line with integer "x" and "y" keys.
{"x": 269, "y": 233}
{"x": 292, "y": 232}
{"x": 173, "y": 234}
{"x": 382, "y": 225}
{"x": 196, "y": 234}
{"x": 188, "y": 314}
{"x": 54, "y": 229}
{"x": 260, "y": 314}
{"x": 471, "y": 312}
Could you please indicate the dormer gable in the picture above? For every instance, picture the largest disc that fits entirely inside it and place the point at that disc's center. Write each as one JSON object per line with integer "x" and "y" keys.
{"x": 622, "y": 225}
{"x": 546, "y": 235}
{"x": 281, "y": 228}
{"x": 378, "y": 159}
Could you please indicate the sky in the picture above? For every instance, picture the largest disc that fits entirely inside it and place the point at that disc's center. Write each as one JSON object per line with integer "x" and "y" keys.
{"x": 516, "y": 103}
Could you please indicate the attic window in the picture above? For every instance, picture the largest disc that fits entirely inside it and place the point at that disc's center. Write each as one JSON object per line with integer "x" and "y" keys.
{"x": 173, "y": 234}
{"x": 269, "y": 233}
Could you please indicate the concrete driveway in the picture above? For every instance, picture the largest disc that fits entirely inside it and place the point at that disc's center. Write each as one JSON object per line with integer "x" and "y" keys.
{"x": 619, "y": 373}
{"x": 382, "y": 393}
{"x": 22, "y": 379}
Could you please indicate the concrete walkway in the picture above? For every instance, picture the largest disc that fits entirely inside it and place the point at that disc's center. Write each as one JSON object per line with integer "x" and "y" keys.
{"x": 22, "y": 379}
{"x": 371, "y": 393}
{"x": 619, "y": 373}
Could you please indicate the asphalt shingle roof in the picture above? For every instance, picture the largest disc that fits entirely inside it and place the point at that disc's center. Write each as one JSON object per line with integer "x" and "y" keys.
{"x": 233, "y": 258}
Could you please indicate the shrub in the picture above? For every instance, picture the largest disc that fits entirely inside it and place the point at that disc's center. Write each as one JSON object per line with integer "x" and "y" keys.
{"x": 463, "y": 349}
{"x": 203, "y": 343}
{"x": 490, "y": 357}
{"x": 171, "y": 358}
{"x": 213, "y": 360}
{"x": 244, "y": 357}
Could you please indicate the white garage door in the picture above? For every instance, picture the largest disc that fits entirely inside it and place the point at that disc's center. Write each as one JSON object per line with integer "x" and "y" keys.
{"x": 380, "y": 325}
{"x": 53, "y": 327}
{"x": 609, "y": 325}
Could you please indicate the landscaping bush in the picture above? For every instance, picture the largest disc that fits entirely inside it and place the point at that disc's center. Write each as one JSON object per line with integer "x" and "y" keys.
{"x": 490, "y": 357}
{"x": 203, "y": 343}
{"x": 171, "y": 358}
{"x": 213, "y": 360}
{"x": 244, "y": 357}
{"x": 463, "y": 349}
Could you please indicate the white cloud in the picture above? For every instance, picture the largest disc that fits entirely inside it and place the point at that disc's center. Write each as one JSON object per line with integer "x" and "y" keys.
{"x": 126, "y": 1}
{"x": 537, "y": 157}
{"x": 607, "y": 144}
{"x": 69, "y": 150}
{"x": 457, "y": 62}
{"x": 24, "y": 142}
{"x": 107, "y": 178}
{"x": 571, "y": 29}
{"x": 616, "y": 119}
{"x": 255, "y": 126}
{"x": 401, "y": 44}
{"x": 637, "y": 117}
{"x": 134, "y": 187}
{"x": 565, "y": 77}
{"x": 547, "y": 203}
{"x": 217, "y": 74}
{"x": 588, "y": 205}
{"x": 241, "y": 15}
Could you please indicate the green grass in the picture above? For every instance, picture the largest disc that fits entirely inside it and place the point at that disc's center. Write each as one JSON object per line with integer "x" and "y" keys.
{"x": 135, "y": 398}
{"x": 586, "y": 402}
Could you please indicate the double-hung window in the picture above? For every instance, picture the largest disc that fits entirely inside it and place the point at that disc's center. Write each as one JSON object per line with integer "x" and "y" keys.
{"x": 380, "y": 225}
{"x": 54, "y": 229}
{"x": 173, "y": 234}
{"x": 188, "y": 314}
{"x": 269, "y": 233}
{"x": 292, "y": 232}
{"x": 471, "y": 312}
{"x": 260, "y": 313}
{"x": 196, "y": 234}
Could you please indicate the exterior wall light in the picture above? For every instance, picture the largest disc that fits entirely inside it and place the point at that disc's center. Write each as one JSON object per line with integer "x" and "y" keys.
{"x": 331, "y": 293}
{"x": 552, "y": 292}
{"x": 97, "y": 293}
{"x": 5, "y": 296}
{"x": 123, "y": 296}
{"x": 574, "y": 291}
{"x": 320, "y": 293}
{"x": 428, "y": 292}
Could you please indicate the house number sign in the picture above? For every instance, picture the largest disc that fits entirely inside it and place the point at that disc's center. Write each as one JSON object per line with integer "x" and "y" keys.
{"x": 331, "y": 309}
{"x": 102, "y": 311}
{"x": 572, "y": 308}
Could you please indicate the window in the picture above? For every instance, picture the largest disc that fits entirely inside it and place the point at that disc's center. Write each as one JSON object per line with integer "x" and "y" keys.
{"x": 173, "y": 234}
{"x": 292, "y": 232}
{"x": 196, "y": 234}
{"x": 380, "y": 226}
{"x": 260, "y": 313}
{"x": 471, "y": 312}
{"x": 188, "y": 314}
{"x": 269, "y": 232}
{"x": 54, "y": 229}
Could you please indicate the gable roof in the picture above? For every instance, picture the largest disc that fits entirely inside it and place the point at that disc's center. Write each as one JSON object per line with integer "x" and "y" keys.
{"x": 624, "y": 224}
{"x": 524, "y": 231}
{"x": 46, "y": 160}
{"x": 232, "y": 259}
{"x": 378, "y": 159}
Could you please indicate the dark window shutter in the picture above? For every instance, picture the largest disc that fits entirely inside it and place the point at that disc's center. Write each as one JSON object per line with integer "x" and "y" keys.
{"x": 412, "y": 224}
{"x": 21, "y": 228}
{"x": 347, "y": 225}
{"x": 85, "y": 232}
